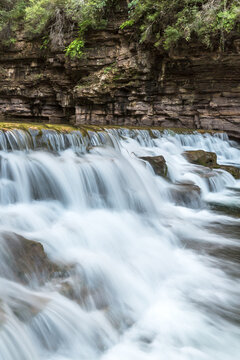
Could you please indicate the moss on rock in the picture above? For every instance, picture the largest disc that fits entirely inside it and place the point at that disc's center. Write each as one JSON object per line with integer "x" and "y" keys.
{"x": 201, "y": 157}
{"x": 233, "y": 170}
{"x": 209, "y": 159}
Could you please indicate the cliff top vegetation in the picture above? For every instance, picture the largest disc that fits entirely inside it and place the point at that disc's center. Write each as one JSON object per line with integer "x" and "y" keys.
{"x": 162, "y": 23}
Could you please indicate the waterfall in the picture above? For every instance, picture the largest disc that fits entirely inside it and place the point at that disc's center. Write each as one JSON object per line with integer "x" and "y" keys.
{"x": 128, "y": 268}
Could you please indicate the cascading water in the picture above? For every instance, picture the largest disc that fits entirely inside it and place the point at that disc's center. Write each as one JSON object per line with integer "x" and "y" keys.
{"x": 142, "y": 275}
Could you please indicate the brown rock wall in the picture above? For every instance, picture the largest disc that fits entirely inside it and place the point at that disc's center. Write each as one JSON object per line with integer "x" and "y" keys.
{"x": 119, "y": 82}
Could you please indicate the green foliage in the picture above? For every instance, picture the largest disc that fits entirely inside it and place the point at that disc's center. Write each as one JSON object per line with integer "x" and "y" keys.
{"x": 55, "y": 20}
{"x": 88, "y": 14}
{"x": 75, "y": 49}
{"x": 45, "y": 43}
{"x": 127, "y": 23}
{"x": 166, "y": 22}
{"x": 226, "y": 19}
{"x": 12, "y": 40}
{"x": 172, "y": 35}
{"x": 11, "y": 12}
{"x": 91, "y": 13}
{"x": 107, "y": 69}
{"x": 110, "y": 68}
{"x": 163, "y": 23}
{"x": 37, "y": 15}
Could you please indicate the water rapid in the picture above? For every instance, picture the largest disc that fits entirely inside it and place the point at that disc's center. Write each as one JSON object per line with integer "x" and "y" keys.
{"x": 141, "y": 272}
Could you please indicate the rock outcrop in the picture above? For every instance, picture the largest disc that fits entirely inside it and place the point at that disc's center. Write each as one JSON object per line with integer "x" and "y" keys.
{"x": 30, "y": 260}
{"x": 200, "y": 157}
{"x": 158, "y": 164}
{"x": 186, "y": 194}
{"x": 209, "y": 159}
{"x": 120, "y": 82}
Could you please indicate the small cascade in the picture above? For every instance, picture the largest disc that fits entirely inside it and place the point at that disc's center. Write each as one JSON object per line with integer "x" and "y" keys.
{"x": 114, "y": 262}
{"x": 52, "y": 140}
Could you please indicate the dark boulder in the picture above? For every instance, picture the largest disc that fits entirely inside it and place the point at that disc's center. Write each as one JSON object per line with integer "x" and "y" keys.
{"x": 158, "y": 164}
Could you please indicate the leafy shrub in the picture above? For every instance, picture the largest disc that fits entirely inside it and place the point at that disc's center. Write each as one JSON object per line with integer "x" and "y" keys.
{"x": 163, "y": 23}
{"x": 55, "y": 20}
{"x": 75, "y": 49}
{"x": 11, "y": 12}
{"x": 88, "y": 14}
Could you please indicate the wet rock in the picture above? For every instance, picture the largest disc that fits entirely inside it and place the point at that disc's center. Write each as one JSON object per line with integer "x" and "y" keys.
{"x": 234, "y": 171}
{"x": 87, "y": 296}
{"x": 67, "y": 289}
{"x": 29, "y": 260}
{"x": 205, "y": 173}
{"x": 209, "y": 159}
{"x": 186, "y": 194}
{"x": 228, "y": 209}
{"x": 200, "y": 157}
{"x": 158, "y": 164}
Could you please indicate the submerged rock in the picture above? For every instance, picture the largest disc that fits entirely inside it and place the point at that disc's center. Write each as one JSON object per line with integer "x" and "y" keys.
{"x": 29, "y": 260}
{"x": 186, "y": 194}
{"x": 158, "y": 164}
{"x": 78, "y": 289}
{"x": 209, "y": 159}
{"x": 232, "y": 210}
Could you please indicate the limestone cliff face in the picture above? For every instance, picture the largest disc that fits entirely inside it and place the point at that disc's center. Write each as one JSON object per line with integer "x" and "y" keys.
{"x": 120, "y": 82}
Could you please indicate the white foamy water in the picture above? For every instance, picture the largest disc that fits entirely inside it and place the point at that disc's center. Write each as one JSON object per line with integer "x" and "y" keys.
{"x": 148, "y": 277}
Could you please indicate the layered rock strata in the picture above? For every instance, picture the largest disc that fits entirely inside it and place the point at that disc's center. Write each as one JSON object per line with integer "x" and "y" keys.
{"x": 118, "y": 81}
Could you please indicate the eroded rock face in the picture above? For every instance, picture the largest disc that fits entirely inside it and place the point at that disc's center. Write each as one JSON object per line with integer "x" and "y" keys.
{"x": 120, "y": 82}
{"x": 209, "y": 159}
{"x": 158, "y": 164}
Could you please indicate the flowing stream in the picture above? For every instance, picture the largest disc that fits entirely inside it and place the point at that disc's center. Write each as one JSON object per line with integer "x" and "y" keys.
{"x": 148, "y": 274}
